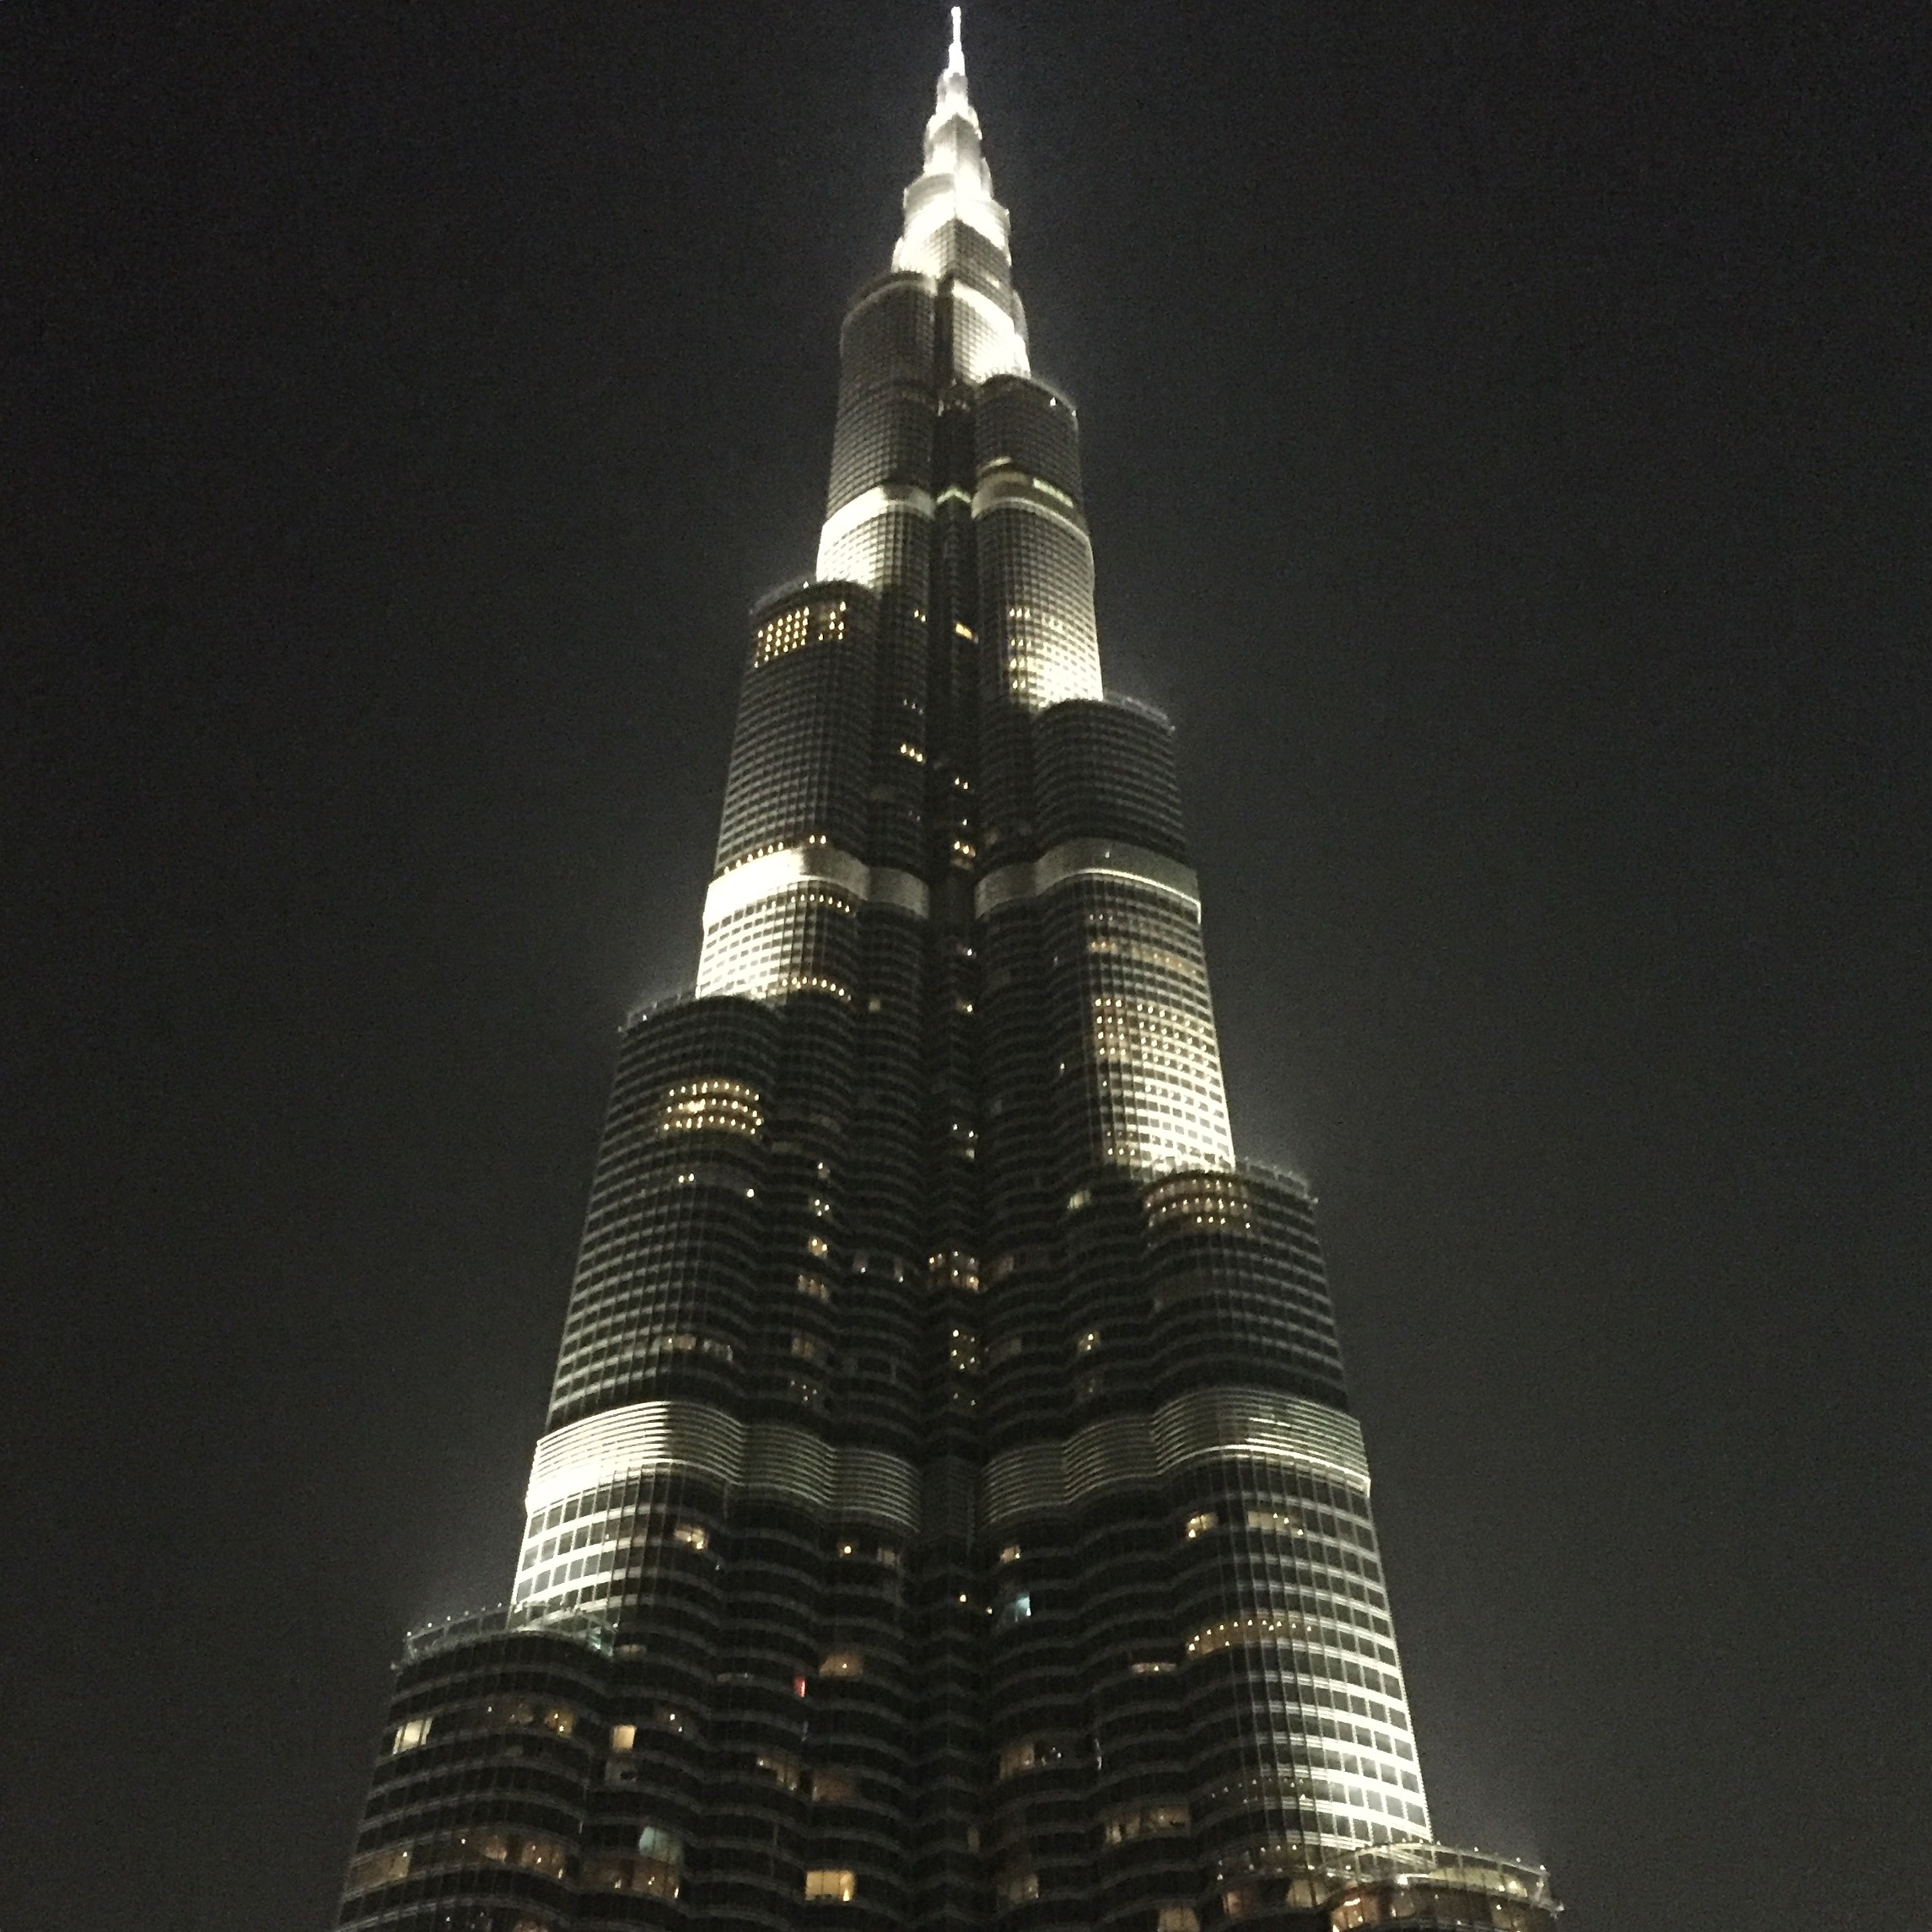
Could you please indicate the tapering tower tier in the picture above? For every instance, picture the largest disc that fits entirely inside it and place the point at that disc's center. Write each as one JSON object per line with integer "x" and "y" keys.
{"x": 949, "y": 1513}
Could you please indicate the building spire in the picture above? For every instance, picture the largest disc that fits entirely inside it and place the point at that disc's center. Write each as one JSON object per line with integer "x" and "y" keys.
{"x": 955, "y": 54}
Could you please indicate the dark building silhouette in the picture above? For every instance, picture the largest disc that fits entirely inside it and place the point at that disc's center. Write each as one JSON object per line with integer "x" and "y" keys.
{"x": 949, "y": 1513}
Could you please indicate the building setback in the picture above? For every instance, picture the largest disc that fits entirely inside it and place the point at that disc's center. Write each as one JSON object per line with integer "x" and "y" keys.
{"x": 949, "y": 1512}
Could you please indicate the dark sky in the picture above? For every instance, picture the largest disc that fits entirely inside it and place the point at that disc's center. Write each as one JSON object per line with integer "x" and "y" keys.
{"x": 1507, "y": 428}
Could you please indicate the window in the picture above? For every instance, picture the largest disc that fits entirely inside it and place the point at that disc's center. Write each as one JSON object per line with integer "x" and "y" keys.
{"x": 1151, "y": 1667}
{"x": 825, "y": 1886}
{"x": 1088, "y": 1342}
{"x": 1017, "y": 1757}
{"x": 1016, "y": 1609}
{"x": 831, "y": 1786}
{"x": 372, "y": 1869}
{"x": 409, "y": 1735}
{"x": 1017, "y": 1887}
{"x": 808, "y": 1349}
{"x": 843, "y": 1664}
{"x": 727, "y": 1107}
{"x": 1010, "y": 1554}
{"x": 692, "y": 1536}
{"x": 623, "y": 1737}
{"x": 1199, "y": 1526}
{"x": 655, "y": 1841}
{"x": 1134, "y": 1822}
{"x": 816, "y": 1245}
{"x": 1177, "y": 1919}
{"x": 816, "y": 1286}
{"x": 1287, "y": 1521}
{"x": 783, "y": 1770}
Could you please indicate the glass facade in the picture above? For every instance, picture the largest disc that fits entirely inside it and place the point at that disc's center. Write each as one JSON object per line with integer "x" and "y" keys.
{"x": 949, "y": 1513}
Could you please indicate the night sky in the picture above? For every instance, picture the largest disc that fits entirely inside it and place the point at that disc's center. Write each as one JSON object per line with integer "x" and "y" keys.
{"x": 1507, "y": 435}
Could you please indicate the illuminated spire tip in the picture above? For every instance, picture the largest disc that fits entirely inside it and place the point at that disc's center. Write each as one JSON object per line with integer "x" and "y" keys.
{"x": 955, "y": 54}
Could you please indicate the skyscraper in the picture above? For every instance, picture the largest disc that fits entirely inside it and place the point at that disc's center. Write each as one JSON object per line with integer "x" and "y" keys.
{"x": 949, "y": 1513}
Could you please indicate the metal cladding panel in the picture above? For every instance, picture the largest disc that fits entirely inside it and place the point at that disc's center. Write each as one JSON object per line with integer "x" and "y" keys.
{"x": 769, "y": 1459}
{"x": 621, "y": 1442}
{"x": 1129, "y": 1451}
{"x": 1023, "y": 425}
{"x": 1088, "y": 858}
{"x": 1216, "y": 1423}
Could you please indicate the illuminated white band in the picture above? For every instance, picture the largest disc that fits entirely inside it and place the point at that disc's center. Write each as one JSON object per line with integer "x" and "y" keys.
{"x": 1007, "y": 489}
{"x": 1127, "y": 1452}
{"x": 772, "y": 1459}
{"x": 774, "y": 872}
{"x": 1001, "y": 320}
{"x": 873, "y": 503}
{"x": 1076, "y": 858}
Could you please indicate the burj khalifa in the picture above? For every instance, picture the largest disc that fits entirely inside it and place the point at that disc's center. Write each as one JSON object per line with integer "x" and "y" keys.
{"x": 950, "y": 1512}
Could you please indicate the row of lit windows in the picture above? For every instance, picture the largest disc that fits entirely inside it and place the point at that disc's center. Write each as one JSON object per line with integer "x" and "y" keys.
{"x": 413, "y": 1733}
{"x": 1287, "y": 1625}
{"x": 808, "y": 624}
{"x": 522, "y": 1851}
{"x": 723, "y": 1106}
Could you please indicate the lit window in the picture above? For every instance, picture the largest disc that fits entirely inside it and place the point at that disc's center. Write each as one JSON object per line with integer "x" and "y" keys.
{"x": 1017, "y": 1887}
{"x": 1199, "y": 1526}
{"x": 1016, "y": 1609}
{"x": 1143, "y": 1820}
{"x": 834, "y": 1787}
{"x": 654, "y": 1841}
{"x": 728, "y": 1106}
{"x": 623, "y": 1737}
{"x": 1088, "y": 1342}
{"x": 1177, "y": 1919}
{"x": 692, "y": 1536}
{"x": 1151, "y": 1667}
{"x": 1017, "y": 1757}
{"x": 372, "y": 1869}
{"x": 843, "y": 1664}
{"x": 1287, "y": 1520}
{"x": 815, "y": 1286}
{"x": 829, "y": 1887}
{"x": 409, "y": 1735}
{"x": 1010, "y": 1554}
{"x": 783, "y": 1769}
{"x": 815, "y": 1244}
